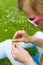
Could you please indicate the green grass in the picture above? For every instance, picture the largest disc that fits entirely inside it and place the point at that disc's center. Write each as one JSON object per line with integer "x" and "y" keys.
{"x": 11, "y": 20}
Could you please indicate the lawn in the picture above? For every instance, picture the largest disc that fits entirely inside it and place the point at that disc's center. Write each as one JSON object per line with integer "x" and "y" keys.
{"x": 11, "y": 20}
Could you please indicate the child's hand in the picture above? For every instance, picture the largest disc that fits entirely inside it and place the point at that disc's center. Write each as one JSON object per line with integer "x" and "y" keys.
{"x": 24, "y": 37}
{"x": 20, "y": 54}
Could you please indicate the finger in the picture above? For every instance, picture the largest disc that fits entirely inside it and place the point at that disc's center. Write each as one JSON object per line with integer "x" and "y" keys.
{"x": 18, "y": 33}
{"x": 15, "y": 50}
{"x": 18, "y": 46}
{"x": 18, "y": 40}
{"x": 13, "y": 54}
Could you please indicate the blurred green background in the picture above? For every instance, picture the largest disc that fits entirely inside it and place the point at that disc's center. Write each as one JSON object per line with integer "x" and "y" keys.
{"x": 11, "y": 20}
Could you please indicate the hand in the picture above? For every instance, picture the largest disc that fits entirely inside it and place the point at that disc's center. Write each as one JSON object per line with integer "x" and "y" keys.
{"x": 24, "y": 37}
{"x": 20, "y": 54}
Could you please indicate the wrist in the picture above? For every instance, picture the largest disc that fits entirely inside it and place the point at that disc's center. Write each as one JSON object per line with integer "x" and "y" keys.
{"x": 29, "y": 61}
{"x": 31, "y": 40}
{"x": 26, "y": 62}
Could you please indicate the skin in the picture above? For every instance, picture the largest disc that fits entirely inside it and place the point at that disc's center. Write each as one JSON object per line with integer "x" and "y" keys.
{"x": 30, "y": 13}
{"x": 21, "y": 54}
{"x": 26, "y": 38}
{"x": 28, "y": 10}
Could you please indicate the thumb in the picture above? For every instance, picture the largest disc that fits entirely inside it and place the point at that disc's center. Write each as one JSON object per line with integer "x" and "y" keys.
{"x": 17, "y": 40}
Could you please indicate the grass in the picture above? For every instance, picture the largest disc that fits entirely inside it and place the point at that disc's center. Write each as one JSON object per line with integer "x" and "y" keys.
{"x": 11, "y": 20}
